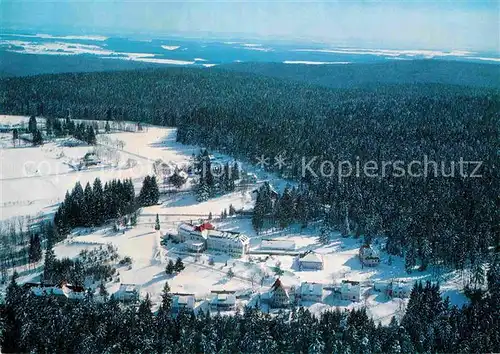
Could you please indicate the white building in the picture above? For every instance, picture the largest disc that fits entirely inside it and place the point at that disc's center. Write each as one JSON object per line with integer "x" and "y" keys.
{"x": 182, "y": 302}
{"x": 279, "y": 245}
{"x": 310, "y": 261}
{"x": 204, "y": 236}
{"x": 229, "y": 242}
{"x": 399, "y": 289}
{"x": 368, "y": 256}
{"x": 310, "y": 292}
{"x": 350, "y": 290}
{"x": 69, "y": 291}
{"x": 223, "y": 301}
{"x": 127, "y": 292}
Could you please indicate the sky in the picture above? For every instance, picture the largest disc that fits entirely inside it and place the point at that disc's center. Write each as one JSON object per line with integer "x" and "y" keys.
{"x": 403, "y": 24}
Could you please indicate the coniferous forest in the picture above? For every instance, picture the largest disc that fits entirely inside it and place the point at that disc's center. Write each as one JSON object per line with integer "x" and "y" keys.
{"x": 450, "y": 220}
{"x": 429, "y": 325}
{"x": 446, "y": 220}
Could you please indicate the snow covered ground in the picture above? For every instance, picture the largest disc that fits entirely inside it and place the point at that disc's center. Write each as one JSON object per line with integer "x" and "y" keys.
{"x": 33, "y": 180}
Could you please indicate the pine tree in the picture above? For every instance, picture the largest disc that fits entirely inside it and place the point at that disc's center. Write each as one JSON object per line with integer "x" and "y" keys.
{"x": 177, "y": 180}
{"x": 88, "y": 207}
{"x": 170, "y": 268}
{"x": 232, "y": 210}
{"x": 324, "y": 236}
{"x": 49, "y": 265}
{"x": 477, "y": 273}
{"x": 179, "y": 265}
{"x": 410, "y": 260}
{"x": 157, "y": 223}
{"x": 15, "y": 136}
{"x": 35, "y": 249}
{"x": 166, "y": 298}
{"x": 32, "y": 125}
{"x": 103, "y": 292}
{"x": 98, "y": 202}
{"x": 37, "y": 138}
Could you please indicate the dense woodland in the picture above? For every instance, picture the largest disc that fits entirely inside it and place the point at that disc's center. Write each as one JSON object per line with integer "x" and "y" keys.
{"x": 443, "y": 220}
{"x": 431, "y": 221}
{"x": 429, "y": 325}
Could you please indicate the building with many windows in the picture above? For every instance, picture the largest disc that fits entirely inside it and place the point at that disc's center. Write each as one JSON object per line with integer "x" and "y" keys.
{"x": 204, "y": 236}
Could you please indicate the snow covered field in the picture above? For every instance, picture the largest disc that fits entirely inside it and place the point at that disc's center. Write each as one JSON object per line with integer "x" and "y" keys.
{"x": 33, "y": 180}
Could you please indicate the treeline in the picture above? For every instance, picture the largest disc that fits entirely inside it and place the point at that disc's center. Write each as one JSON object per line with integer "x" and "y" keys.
{"x": 430, "y": 325}
{"x": 443, "y": 219}
{"x": 81, "y": 131}
{"x": 280, "y": 210}
{"x": 214, "y": 180}
{"x": 60, "y": 128}
{"x": 98, "y": 204}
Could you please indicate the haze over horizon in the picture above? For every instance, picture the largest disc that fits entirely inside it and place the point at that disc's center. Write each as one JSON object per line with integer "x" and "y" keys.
{"x": 464, "y": 25}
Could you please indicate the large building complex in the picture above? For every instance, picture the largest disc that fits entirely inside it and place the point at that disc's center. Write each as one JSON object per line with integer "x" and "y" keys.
{"x": 204, "y": 236}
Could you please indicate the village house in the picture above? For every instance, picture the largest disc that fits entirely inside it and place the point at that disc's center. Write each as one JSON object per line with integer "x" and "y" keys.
{"x": 350, "y": 290}
{"x": 279, "y": 245}
{"x": 278, "y": 295}
{"x": 232, "y": 243}
{"x": 182, "y": 301}
{"x": 127, "y": 293}
{"x": 310, "y": 261}
{"x": 394, "y": 288}
{"x": 90, "y": 159}
{"x": 223, "y": 301}
{"x": 69, "y": 291}
{"x": 310, "y": 292}
{"x": 368, "y": 256}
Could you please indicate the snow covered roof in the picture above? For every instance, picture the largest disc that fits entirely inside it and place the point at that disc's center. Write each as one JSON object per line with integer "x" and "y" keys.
{"x": 230, "y": 235}
{"x": 277, "y": 284}
{"x": 307, "y": 288}
{"x": 186, "y": 227}
{"x": 221, "y": 298}
{"x": 128, "y": 288}
{"x": 311, "y": 257}
{"x": 183, "y": 301}
{"x": 350, "y": 284}
{"x": 367, "y": 251}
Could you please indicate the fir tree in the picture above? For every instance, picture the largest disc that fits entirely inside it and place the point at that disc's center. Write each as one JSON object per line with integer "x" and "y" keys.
{"x": 32, "y": 125}
{"x": 37, "y": 138}
{"x": 179, "y": 265}
{"x": 35, "y": 249}
{"x": 15, "y": 136}
{"x": 324, "y": 236}
{"x": 157, "y": 223}
{"x": 170, "y": 268}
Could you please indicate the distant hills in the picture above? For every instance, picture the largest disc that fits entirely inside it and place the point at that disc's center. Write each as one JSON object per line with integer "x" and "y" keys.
{"x": 373, "y": 74}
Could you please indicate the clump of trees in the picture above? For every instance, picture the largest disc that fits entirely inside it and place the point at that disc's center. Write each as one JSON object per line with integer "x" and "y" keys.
{"x": 96, "y": 264}
{"x": 176, "y": 267}
{"x": 150, "y": 192}
{"x": 95, "y": 204}
{"x": 213, "y": 180}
